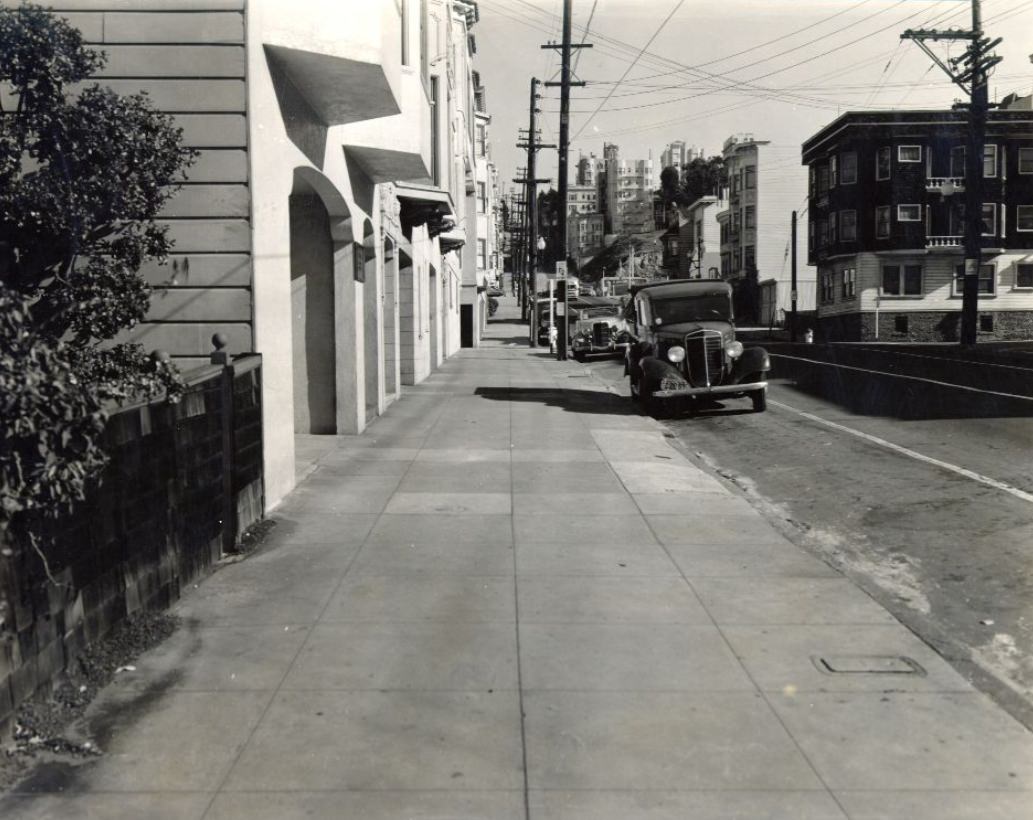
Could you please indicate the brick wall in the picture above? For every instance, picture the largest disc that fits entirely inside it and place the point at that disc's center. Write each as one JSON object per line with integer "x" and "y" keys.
{"x": 922, "y": 326}
{"x": 177, "y": 473}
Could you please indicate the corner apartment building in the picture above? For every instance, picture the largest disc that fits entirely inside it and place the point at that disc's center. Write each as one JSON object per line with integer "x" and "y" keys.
{"x": 886, "y": 224}
{"x": 323, "y": 223}
{"x": 764, "y": 188}
{"x": 628, "y": 193}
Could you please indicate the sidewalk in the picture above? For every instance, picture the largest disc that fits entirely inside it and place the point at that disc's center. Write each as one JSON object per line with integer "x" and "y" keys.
{"x": 512, "y": 598}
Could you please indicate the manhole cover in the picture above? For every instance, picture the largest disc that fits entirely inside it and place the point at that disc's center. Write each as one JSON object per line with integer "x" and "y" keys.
{"x": 867, "y": 665}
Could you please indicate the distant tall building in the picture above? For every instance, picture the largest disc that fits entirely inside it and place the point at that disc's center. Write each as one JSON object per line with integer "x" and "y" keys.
{"x": 679, "y": 153}
{"x": 589, "y": 169}
{"x": 629, "y": 193}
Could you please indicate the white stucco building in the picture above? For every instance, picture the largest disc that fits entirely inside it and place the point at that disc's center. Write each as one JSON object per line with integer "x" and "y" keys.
{"x": 329, "y": 221}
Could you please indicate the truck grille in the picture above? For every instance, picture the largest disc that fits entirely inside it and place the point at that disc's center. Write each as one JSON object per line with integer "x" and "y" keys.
{"x": 704, "y": 358}
{"x": 601, "y": 334}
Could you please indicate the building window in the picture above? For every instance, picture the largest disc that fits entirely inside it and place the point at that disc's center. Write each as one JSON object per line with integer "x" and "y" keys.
{"x": 823, "y": 233}
{"x": 749, "y": 256}
{"x": 986, "y": 323}
{"x": 813, "y": 179}
{"x": 989, "y": 219}
{"x": 833, "y": 225}
{"x": 1024, "y": 276}
{"x": 987, "y": 280}
{"x": 849, "y": 283}
{"x": 848, "y": 226}
{"x": 833, "y": 171}
{"x": 751, "y": 216}
{"x": 958, "y": 161}
{"x": 989, "y": 160}
{"x": 848, "y": 168}
{"x": 435, "y": 165}
{"x": 909, "y": 153}
{"x": 482, "y": 198}
{"x": 828, "y": 288}
{"x": 359, "y": 262}
{"x": 482, "y": 254}
{"x": 403, "y": 12}
{"x": 1024, "y": 218}
{"x": 482, "y": 139}
{"x": 882, "y": 222}
{"x": 751, "y": 176}
{"x": 909, "y": 213}
{"x": 900, "y": 324}
{"x": 1026, "y": 160}
{"x": 901, "y": 280}
{"x": 823, "y": 180}
{"x": 882, "y": 163}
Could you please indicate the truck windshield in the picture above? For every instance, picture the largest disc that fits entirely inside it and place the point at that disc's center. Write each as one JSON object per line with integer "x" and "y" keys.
{"x": 692, "y": 309}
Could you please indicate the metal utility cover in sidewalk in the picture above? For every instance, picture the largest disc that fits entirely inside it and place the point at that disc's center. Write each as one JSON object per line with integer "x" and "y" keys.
{"x": 867, "y": 665}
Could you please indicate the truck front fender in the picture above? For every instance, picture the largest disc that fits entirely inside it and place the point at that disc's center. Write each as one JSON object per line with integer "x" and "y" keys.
{"x": 753, "y": 360}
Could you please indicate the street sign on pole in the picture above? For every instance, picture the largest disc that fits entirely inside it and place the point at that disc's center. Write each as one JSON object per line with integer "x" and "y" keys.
{"x": 561, "y": 270}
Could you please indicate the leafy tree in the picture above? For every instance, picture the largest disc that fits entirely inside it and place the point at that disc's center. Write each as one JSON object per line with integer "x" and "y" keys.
{"x": 703, "y": 177}
{"x": 84, "y": 173}
{"x": 700, "y": 177}
{"x": 670, "y": 186}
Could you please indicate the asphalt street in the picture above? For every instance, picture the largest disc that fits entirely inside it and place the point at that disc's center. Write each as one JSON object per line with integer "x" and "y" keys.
{"x": 932, "y": 516}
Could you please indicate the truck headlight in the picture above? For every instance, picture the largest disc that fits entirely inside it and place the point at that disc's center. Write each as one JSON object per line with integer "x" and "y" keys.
{"x": 733, "y": 349}
{"x": 676, "y": 354}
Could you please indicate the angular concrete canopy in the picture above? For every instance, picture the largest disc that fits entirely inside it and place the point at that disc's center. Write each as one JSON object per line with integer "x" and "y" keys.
{"x": 383, "y": 165}
{"x": 424, "y": 204}
{"x": 340, "y": 90}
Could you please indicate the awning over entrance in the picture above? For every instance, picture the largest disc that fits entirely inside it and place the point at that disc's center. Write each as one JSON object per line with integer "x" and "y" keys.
{"x": 425, "y": 205}
{"x": 452, "y": 240}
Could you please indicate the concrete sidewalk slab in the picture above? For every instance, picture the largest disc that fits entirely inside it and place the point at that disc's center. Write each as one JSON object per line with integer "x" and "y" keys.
{"x": 514, "y": 597}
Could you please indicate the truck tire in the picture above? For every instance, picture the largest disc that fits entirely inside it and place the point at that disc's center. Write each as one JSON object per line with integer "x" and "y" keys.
{"x": 760, "y": 400}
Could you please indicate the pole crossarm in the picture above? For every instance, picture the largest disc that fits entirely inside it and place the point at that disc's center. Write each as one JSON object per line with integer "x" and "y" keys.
{"x": 935, "y": 34}
{"x": 568, "y": 45}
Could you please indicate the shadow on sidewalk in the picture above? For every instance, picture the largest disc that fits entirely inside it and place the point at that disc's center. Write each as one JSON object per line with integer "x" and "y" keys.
{"x": 573, "y": 401}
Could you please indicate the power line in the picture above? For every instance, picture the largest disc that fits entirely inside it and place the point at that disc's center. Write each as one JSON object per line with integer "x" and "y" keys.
{"x": 584, "y": 36}
{"x": 631, "y": 65}
{"x": 687, "y": 118}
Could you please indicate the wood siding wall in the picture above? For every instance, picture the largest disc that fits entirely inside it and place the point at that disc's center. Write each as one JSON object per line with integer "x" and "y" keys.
{"x": 189, "y": 57}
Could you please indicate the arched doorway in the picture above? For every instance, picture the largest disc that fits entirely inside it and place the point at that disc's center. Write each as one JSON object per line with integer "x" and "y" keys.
{"x": 322, "y": 304}
{"x": 390, "y": 308}
{"x": 371, "y": 290}
{"x": 312, "y": 315}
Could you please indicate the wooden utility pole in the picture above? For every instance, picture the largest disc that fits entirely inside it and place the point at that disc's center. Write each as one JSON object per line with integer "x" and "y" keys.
{"x": 969, "y": 72}
{"x": 533, "y": 146}
{"x": 564, "y": 84}
{"x": 792, "y": 281}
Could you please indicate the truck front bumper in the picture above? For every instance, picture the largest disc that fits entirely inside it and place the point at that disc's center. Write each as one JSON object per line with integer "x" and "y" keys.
{"x": 715, "y": 390}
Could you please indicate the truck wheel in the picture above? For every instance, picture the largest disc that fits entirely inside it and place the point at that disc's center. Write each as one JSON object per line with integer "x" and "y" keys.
{"x": 634, "y": 389}
{"x": 760, "y": 400}
{"x": 580, "y": 355}
{"x": 657, "y": 408}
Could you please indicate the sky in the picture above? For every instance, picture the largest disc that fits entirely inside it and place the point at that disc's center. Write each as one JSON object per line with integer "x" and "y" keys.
{"x": 778, "y": 69}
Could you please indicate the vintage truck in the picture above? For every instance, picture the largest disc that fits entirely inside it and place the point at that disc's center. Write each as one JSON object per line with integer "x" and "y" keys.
{"x": 683, "y": 349}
